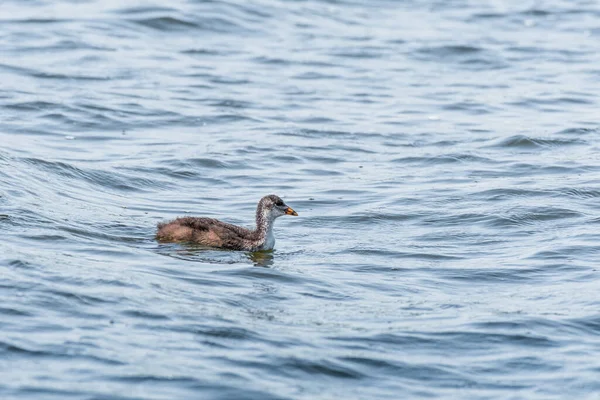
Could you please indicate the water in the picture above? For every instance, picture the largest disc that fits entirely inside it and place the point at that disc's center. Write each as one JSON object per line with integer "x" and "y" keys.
{"x": 443, "y": 158}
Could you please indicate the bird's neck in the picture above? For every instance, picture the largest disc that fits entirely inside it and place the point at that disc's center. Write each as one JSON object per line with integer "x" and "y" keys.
{"x": 264, "y": 224}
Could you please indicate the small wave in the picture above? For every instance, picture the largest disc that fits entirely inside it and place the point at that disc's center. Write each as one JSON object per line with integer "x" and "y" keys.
{"x": 54, "y": 352}
{"x": 140, "y": 314}
{"x": 224, "y": 19}
{"x": 457, "y": 219}
{"x": 493, "y": 338}
{"x": 566, "y": 253}
{"x": 578, "y": 131}
{"x": 526, "y": 142}
{"x": 551, "y": 104}
{"x": 452, "y": 50}
{"x": 413, "y": 339}
{"x": 56, "y": 298}
{"x": 434, "y": 254}
{"x": 202, "y": 52}
{"x": 215, "y": 163}
{"x": 590, "y": 324}
{"x": 171, "y": 23}
{"x": 532, "y": 216}
{"x": 291, "y": 366}
{"x": 321, "y": 172}
{"x": 108, "y": 179}
{"x": 443, "y": 159}
{"x": 230, "y": 333}
{"x": 578, "y": 193}
{"x": 505, "y": 275}
{"x": 148, "y": 379}
{"x": 33, "y": 106}
{"x": 470, "y": 107}
{"x": 144, "y": 10}
{"x": 265, "y": 275}
{"x": 13, "y": 312}
{"x": 333, "y": 134}
{"x": 360, "y": 53}
{"x": 507, "y": 193}
{"x": 373, "y": 218}
{"x": 6, "y": 347}
{"x": 34, "y": 73}
{"x": 467, "y": 56}
{"x": 314, "y": 76}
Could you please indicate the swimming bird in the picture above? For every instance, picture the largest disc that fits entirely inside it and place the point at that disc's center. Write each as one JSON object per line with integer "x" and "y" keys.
{"x": 214, "y": 233}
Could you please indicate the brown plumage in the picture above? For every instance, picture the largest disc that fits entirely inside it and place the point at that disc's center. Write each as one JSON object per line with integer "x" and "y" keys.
{"x": 214, "y": 233}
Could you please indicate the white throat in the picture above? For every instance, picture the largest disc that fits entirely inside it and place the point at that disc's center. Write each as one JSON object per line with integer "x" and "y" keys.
{"x": 269, "y": 240}
{"x": 265, "y": 224}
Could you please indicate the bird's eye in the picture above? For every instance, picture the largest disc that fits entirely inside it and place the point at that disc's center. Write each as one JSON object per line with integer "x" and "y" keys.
{"x": 279, "y": 203}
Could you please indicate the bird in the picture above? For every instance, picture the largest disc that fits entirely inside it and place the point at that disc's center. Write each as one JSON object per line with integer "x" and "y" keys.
{"x": 214, "y": 233}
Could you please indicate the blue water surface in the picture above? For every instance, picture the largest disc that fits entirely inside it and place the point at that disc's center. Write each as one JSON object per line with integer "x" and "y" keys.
{"x": 443, "y": 157}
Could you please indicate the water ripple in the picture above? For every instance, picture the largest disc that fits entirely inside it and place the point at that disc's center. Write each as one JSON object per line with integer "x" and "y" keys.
{"x": 444, "y": 169}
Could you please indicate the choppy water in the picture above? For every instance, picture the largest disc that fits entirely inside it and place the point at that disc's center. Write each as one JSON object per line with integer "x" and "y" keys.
{"x": 443, "y": 156}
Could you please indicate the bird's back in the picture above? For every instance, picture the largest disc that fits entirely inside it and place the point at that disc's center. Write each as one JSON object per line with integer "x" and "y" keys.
{"x": 205, "y": 231}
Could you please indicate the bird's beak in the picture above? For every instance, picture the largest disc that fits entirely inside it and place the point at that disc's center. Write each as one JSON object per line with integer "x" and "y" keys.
{"x": 289, "y": 211}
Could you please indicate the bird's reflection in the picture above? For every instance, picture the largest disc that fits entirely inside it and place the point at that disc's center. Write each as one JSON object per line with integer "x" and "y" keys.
{"x": 194, "y": 252}
{"x": 261, "y": 258}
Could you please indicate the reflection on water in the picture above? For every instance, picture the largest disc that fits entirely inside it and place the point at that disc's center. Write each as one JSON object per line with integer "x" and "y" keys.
{"x": 262, "y": 258}
{"x": 198, "y": 253}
